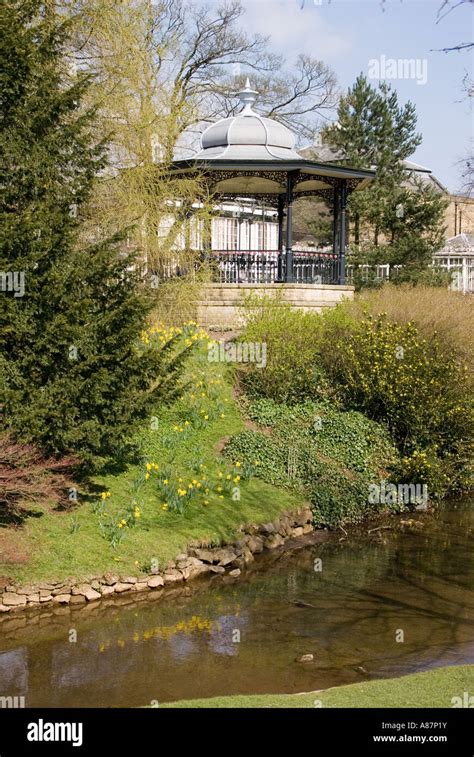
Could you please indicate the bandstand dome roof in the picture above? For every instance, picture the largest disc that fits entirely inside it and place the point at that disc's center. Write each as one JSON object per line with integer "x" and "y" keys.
{"x": 248, "y": 136}
{"x": 250, "y": 155}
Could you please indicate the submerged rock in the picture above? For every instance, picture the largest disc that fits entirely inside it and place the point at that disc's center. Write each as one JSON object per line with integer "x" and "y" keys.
{"x": 306, "y": 658}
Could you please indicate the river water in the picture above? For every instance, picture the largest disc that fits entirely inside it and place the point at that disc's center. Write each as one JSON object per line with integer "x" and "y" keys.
{"x": 395, "y": 601}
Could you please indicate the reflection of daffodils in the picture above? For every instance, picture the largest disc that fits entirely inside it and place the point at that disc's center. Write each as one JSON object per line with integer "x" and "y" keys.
{"x": 196, "y": 624}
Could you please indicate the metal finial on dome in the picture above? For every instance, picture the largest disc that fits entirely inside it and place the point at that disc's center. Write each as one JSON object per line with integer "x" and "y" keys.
{"x": 247, "y": 96}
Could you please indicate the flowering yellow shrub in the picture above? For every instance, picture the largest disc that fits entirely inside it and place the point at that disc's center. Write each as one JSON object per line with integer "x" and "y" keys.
{"x": 414, "y": 385}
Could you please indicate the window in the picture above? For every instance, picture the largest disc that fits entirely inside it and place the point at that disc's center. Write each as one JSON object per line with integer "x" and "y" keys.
{"x": 259, "y": 235}
{"x": 225, "y": 233}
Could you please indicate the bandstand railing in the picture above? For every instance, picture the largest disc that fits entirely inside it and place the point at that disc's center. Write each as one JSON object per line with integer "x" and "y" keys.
{"x": 268, "y": 267}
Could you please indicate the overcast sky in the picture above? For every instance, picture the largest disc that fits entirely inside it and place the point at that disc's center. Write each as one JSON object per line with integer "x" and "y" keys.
{"x": 348, "y": 34}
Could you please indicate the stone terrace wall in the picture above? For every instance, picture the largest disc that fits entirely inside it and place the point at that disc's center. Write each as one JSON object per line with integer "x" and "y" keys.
{"x": 218, "y": 306}
{"x": 197, "y": 561}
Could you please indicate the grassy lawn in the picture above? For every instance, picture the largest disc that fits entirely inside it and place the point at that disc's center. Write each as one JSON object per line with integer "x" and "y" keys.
{"x": 184, "y": 443}
{"x": 434, "y": 688}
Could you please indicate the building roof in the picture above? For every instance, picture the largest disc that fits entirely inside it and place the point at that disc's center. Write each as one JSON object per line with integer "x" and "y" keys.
{"x": 252, "y": 156}
{"x": 461, "y": 243}
{"x": 264, "y": 177}
{"x": 247, "y": 136}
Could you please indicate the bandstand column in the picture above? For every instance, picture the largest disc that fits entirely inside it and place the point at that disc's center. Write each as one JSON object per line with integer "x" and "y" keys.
{"x": 342, "y": 232}
{"x": 281, "y": 204}
{"x": 289, "y": 229}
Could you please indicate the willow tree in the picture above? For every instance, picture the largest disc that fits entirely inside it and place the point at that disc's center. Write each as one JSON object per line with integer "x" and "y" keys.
{"x": 116, "y": 44}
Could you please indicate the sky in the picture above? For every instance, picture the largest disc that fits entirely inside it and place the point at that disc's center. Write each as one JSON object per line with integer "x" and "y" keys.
{"x": 349, "y": 35}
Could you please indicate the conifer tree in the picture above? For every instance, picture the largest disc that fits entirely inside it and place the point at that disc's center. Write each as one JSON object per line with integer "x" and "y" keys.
{"x": 73, "y": 378}
{"x": 374, "y": 131}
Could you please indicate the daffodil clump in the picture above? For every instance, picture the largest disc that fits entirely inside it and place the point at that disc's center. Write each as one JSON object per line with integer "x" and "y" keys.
{"x": 99, "y": 506}
{"x": 191, "y": 333}
{"x": 179, "y": 491}
{"x": 204, "y": 402}
{"x": 178, "y": 487}
{"x": 113, "y": 526}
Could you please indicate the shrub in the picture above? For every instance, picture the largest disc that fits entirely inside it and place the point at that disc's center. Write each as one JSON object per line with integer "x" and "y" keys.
{"x": 417, "y": 387}
{"x": 73, "y": 379}
{"x": 251, "y": 446}
{"x": 176, "y": 300}
{"x": 411, "y": 377}
{"x": 347, "y": 437}
{"x": 292, "y": 372}
{"x": 328, "y": 455}
{"x": 337, "y": 498}
{"x": 425, "y": 468}
{"x": 434, "y": 311}
{"x": 28, "y": 477}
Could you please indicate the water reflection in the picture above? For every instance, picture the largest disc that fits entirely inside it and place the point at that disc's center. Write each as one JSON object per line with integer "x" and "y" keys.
{"x": 246, "y": 637}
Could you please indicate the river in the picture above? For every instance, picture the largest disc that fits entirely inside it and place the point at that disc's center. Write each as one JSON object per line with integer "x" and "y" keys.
{"x": 395, "y": 601}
